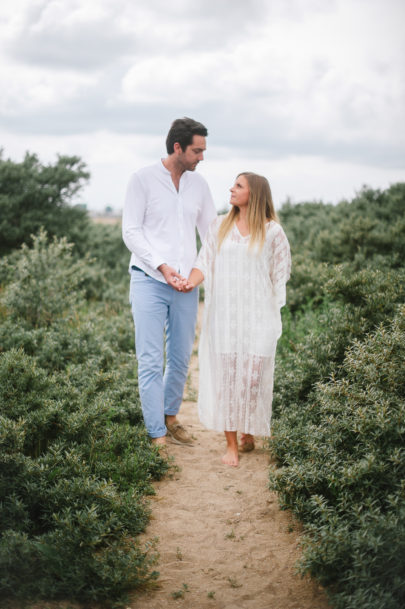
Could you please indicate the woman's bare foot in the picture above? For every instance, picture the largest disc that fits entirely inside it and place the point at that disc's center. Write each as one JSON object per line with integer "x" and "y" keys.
{"x": 231, "y": 455}
{"x": 247, "y": 442}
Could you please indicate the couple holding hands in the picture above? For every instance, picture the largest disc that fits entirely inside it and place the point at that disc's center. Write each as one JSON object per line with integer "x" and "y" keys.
{"x": 244, "y": 263}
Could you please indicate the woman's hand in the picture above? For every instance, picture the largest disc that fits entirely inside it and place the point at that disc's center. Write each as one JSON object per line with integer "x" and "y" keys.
{"x": 194, "y": 279}
{"x": 187, "y": 286}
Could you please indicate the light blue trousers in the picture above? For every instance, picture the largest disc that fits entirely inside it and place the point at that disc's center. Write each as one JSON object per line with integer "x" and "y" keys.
{"x": 160, "y": 312}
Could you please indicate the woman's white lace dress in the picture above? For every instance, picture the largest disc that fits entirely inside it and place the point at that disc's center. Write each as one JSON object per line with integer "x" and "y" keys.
{"x": 244, "y": 291}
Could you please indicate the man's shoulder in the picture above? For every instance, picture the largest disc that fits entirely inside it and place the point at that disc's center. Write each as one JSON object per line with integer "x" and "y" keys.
{"x": 197, "y": 182}
{"x": 145, "y": 176}
{"x": 196, "y": 177}
{"x": 148, "y": 170}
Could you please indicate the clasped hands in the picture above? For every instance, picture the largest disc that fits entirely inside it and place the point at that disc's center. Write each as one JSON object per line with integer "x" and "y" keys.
{"x": 184, "y": 285}
{"x": 175, "y": 280}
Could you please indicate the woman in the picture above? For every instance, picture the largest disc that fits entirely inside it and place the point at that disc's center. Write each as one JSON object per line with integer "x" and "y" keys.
{"x": 245, "y": 264}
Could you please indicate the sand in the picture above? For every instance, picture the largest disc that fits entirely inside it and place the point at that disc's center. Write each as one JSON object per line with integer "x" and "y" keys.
{"x": 223, "y": 541}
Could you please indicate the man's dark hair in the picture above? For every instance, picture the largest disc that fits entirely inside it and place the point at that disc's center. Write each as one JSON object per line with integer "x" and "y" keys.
{"x": 182, "y": 131}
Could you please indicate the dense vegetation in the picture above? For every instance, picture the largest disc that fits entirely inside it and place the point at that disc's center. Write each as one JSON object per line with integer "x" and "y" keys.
{"x": 75, "y": 461}
{"x": 339, "y": 408}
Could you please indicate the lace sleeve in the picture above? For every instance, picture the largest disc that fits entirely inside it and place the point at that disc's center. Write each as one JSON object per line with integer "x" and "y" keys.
{"x": 280, "y": 264}
{"x": 206, "y": 257}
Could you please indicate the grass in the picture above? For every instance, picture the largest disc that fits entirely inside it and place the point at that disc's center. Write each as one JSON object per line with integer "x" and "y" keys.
{"x": 180, "y": 593}
{"x": 234, "y": 583}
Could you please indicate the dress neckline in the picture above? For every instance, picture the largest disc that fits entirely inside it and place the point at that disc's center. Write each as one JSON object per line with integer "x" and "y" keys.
{"x": 246, "y": 236}
{"x": 239, "y": 233}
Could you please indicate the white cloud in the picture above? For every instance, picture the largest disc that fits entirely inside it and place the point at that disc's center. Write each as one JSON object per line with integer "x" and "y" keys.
{"x": 308, "y": 80}
{"x": 275, "y": 82}
{"x": 56, "y": 33}
{"x": 38, "y": 91}
{"x": 191, "y": 77}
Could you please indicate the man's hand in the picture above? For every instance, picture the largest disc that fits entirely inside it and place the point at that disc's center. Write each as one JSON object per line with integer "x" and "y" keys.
{"x": 187, "y": 286}
{"x": 172, "y": 277}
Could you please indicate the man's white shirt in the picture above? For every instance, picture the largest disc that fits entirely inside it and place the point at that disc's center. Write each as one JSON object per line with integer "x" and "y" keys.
{"x": 159, "y": 222}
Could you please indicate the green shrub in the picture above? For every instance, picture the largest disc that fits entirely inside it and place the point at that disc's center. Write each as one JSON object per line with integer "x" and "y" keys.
{"x": 75, "y": 460}
{"x": 343, "y": 465}
{"x": 46, "y": 283}
{"x": 339, "y": 408}
{"x": 367, "y": 233}
{"x": 33, "y": 195}
{"x": 353, "y": 305}
{"x": 107, "y": 248}
{"x": 74, "y": 467}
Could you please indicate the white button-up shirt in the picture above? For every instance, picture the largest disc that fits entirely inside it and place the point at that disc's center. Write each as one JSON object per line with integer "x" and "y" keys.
{"x": 159, "y": 222}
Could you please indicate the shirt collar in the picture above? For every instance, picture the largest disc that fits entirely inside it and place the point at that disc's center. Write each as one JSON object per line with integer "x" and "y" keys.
{"x": 167, "y": 173}
{"x": 163, "y": 168}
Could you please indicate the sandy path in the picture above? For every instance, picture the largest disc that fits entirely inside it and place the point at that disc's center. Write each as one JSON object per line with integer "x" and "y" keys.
{"x": 223, "y": 542}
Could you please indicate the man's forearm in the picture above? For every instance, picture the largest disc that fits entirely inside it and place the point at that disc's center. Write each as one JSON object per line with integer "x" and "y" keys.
{"x": 172, "y": 277}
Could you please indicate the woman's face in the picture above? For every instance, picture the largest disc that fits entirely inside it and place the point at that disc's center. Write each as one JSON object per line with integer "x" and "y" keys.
{"x": 240, "y": 192}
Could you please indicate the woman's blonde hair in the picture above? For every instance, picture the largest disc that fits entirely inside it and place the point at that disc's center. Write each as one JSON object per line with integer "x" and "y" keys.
{"x": 260, "y": 210}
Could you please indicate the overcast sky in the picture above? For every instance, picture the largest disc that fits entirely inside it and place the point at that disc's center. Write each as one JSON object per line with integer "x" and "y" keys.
{"x": 310, "y": 93}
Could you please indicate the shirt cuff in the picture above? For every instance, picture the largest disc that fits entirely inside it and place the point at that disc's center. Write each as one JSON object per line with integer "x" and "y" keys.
{"x": 156, "y": 262}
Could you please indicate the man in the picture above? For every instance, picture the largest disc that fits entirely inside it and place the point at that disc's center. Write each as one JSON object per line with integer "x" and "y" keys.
{"x": 164, "y": 204}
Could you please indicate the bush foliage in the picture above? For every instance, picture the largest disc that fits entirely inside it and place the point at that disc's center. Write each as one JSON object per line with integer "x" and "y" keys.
{"x": 339, "y": 408}
{"x": 33, "y": 195}
{"x": 75, "y": 461}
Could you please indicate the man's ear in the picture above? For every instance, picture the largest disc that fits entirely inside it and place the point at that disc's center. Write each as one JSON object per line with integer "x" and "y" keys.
{"x": 177, "y": 148}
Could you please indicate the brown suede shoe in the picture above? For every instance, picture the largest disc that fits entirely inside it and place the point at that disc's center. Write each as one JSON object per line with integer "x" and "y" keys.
{"x": 178, "y": 434}
{"x": 246, "y": 445}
